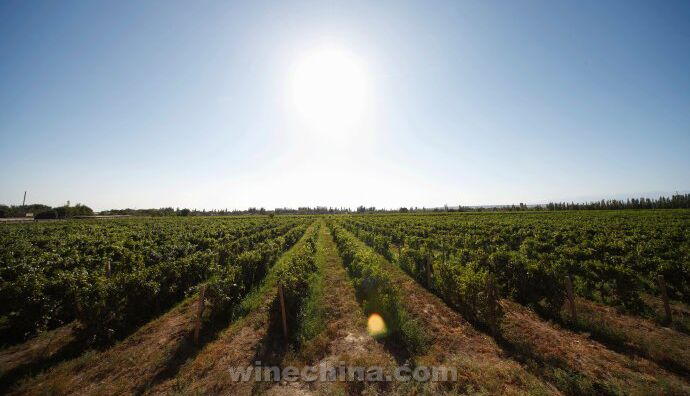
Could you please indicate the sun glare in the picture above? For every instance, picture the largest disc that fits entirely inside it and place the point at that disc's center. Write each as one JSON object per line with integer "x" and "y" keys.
{"x": 329, "y": 89}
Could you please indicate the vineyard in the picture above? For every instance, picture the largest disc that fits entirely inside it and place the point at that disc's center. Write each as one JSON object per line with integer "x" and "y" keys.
{"x": 558, "y": 302}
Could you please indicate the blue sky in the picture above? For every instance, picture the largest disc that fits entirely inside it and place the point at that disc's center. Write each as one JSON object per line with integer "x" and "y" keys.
{"x": 151, "y": 104}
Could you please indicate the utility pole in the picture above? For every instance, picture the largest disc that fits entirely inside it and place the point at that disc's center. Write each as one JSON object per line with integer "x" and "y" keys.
{"x": 24, "y": 200}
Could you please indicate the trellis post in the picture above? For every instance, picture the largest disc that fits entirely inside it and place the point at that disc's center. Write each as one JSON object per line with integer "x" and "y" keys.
{"x": 664, "y": 297}
{"x": 571, "y": 297}
{"x": 493, "y": 301}
{"x": 282, "y": 310}
{"x": 429, "y": 270}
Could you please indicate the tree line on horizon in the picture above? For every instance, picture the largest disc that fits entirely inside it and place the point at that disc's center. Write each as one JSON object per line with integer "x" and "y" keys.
{"x": 45, "y": 212}
{"x": 676, "y": 201}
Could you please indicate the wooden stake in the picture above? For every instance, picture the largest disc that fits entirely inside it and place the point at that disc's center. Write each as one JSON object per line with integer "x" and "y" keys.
{"x": 80, "y": 312}
{"x": 429, "y": 270}
{"x": 199, "y": 312}
{"x": 664, "y": 297}
{"x": 571, "y": 297}
{"x": 491, "y": 294}
{"x": 282, "y": 310}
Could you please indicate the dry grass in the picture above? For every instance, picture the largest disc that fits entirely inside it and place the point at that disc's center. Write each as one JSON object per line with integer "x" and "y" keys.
{"x": 127, "y": 367}
{"x": 37, "y": 354}
{"x": 663, "y": 345}
{"x": 679, "y": 311}
{"x": 237, "y": 346}
{"x": 576, "y": 362}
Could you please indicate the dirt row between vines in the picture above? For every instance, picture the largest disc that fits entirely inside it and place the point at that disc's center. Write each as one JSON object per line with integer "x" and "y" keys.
{"x": 344, "y": 338}
{"x": 581, "y": 364}
{"x": 664, "y": 345}
{"x": 126, "y": 367}
{"x": 37, "y": 354}
{"x": 238, "y": 346}
{"x": 572, "y": 361}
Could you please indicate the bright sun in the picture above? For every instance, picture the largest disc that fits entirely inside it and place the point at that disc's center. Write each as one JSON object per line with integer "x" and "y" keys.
{"x": 329, "y": 89}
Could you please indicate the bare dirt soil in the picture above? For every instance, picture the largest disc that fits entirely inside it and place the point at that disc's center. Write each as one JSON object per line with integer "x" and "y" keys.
{"x": 664, "y": 345}
{"x": 127, "y": 367}
{"x": 37, "y": 354}
{"x": 587, "y": 364}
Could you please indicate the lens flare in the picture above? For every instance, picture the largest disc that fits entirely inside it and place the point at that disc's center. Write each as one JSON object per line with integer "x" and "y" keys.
{"x": 376, "y": 325}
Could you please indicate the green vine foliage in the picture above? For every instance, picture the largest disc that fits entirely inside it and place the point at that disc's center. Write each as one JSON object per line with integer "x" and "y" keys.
{"x": 112, "y": 276}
